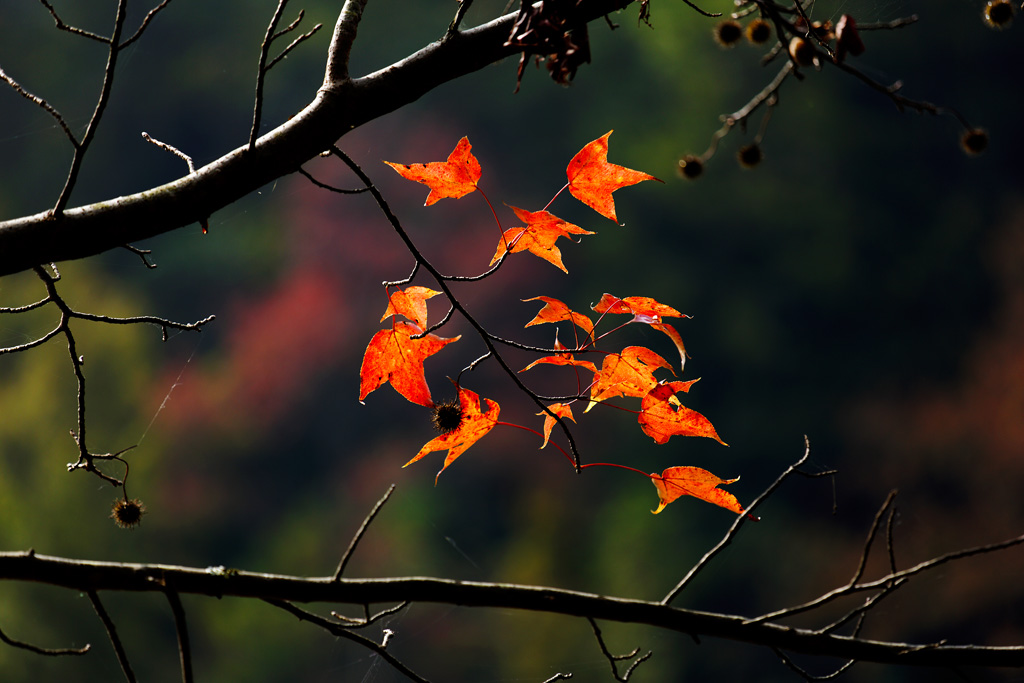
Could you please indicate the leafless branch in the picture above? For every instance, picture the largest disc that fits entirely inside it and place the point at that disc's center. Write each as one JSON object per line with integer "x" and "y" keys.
{"x": 292, "y": 45}
{"x": 173, "y": 150}
{"x": 39, "y": 101}
{"x": 261, "y": 73}
{"x": 614, "y": 659}
{"x": 145, "y": 23}
{"x": 181, "y": 628}
{"x": 61, "y": 26}
{"x": 83, "y": 575}
{"x": 740, "y": 519}
{"x": 362, "y": 530}
{"x": 115, "y": 641}
{"x": 43, "y": 650}
{"x": 97, "y": 114}
{"x": 344, "y": 632}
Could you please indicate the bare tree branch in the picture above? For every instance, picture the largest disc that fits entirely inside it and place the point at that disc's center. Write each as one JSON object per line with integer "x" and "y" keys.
{"x": 115, "y": 641}
{"x": 362, "y": 530}
{"x": 85, "y": 575}
{"x": 43, "y": 650}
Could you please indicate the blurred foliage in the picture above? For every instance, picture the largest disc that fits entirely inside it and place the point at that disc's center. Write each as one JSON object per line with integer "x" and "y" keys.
{"x": 858, "y": 286}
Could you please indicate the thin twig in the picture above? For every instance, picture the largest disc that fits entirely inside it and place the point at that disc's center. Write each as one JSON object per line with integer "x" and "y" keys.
{"x": 614, "y": 659}
{"x": 261, "y": 72}
{"x": 292, "y": 45}
{"x": 108, "y": 624}
{"x": 181, "y": 628}
{"x": 362, "y": 530}
{"x": 145, "y": 23}
{"x": 46, "y": 106}
{"x": 343, "y": 632}
{"x": 61, "y": 26}
{"x": 57, "y": 652}
{"x": 97, "y": 114}
{"x": 325, "y": 186}
{"x": 142, "y": 254}
{"x": 805, "y": 674}
{"x": 173, "y": 150}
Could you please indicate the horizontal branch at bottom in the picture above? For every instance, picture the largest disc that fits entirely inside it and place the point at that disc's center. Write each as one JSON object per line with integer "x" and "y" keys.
{"x": 87, "y": 575}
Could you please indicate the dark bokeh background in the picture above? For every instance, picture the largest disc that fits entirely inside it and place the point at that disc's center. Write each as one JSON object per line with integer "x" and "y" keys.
{"x": 863, "y": 286}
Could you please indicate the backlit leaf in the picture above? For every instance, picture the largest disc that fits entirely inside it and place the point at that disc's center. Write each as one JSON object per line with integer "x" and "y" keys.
{"x": 394, "y": 356}
{"x": 662, "y": 416}
{"x": 555, "y": 311}
{"x": 592, "y": 179}
{"x": 561, "y": 410}
{"x": 630, "y": 373}
{"x": 453, "y": 178}
{"x": 410, "y": 302}
{"x": 474, "y": 425}
{"x": 675, "y": 482}
{"x": 648, "y": 311}
{"x": 538, "y": 237}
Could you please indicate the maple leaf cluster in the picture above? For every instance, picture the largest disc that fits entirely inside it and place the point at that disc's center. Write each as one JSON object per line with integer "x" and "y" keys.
{"x": 396, "y": 355}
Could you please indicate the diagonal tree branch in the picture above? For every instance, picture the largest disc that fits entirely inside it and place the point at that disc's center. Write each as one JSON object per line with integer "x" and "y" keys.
{"x": 341, "y": 105}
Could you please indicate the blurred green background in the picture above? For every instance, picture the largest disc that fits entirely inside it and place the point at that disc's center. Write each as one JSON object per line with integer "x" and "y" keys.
{"x": 864, "y": 286}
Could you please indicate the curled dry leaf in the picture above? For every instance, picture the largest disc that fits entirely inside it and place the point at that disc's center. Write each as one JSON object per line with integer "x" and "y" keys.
{"x": 453, "y": 178}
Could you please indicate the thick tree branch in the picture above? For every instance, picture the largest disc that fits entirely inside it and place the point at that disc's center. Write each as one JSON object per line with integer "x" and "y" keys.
{"x": 341, "y": 105}
{"x": 92, "y": 576}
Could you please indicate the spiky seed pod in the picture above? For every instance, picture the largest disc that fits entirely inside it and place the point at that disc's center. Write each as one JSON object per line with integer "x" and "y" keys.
{"x": 691, "y": 166}
{"x": 801, "y": 51}
{"x": 750, "y": 155}
{"x": 758, "y": 31}
{"x": 127, "y": 513}
{"x": 974, "y": 141}
{"x": 998, "y": 13}
{"x": 447, "y": 416}
{"x": 727, "y": 33}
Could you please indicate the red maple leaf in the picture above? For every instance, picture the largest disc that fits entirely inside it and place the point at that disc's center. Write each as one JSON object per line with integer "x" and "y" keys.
{"x": 410, "y": 302}
{"x": 395, "y": 356}
{"x": 675, "y": 482}
{"x": 648, "y": 311}
{"x": 453, "y": 178}
{"x": 630, "y": 373}
{"x": 554, "y": 311}
{"x": 592, "y": 179}
{"x": 563, "y": 410}
{"x": 538, "y": 237}
{"x": 661, "y": 415}
{"x": 472, "y": 427}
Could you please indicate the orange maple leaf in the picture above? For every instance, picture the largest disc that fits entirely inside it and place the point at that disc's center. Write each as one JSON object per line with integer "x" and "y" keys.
{"x": 395, "y": 356}
{"x": 648, "y": 311}
{"x": 675, "y": 482}
{"x": 554, "y": 311}
{"x": 629, "y": 373}
{"x": 562, "y": 359}
{"x": 559, "y": 409}
{"x": 538, "y": 237}
{"x": 661, "y": 415}
{"x": 472, "y": 428}
{"x": 410, "y": 302}
{"x": 592, "y": 179}
{"x": 453, "y": 178}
